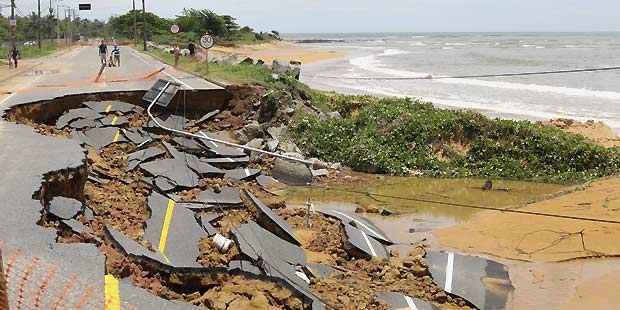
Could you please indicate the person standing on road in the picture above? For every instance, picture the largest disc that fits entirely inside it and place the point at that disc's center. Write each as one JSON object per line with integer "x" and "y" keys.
{"x": 15, "y": 55}
{"x": 103, "y": 52}
{"x": 116, "y": 55}
{"x": 192, "y": 49}
{"x": 177, "y": 54}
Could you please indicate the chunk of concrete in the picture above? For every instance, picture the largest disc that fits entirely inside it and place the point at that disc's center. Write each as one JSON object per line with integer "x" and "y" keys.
{"x": 205, "y": 118}
{"x": 359, "y": 222}
{"x": 130, "y": 247}
{"x": 227, "y": 196}
{"x": 227, "y": 162}
{"x": 291, "y": 173}
{"x": 359, "y": 244}
{"x": 187, "y": 144}
{"x": 272, "y": 222}
{"x": 241, "y": 174}
{"x": 102, "y": 137}
{"x": 136, "y": 136}
{"x": 400, "y": 301}
{"x": 83, "y": 123}
{"x": 320, "y": 172}
{"x": 110, "y": 106}
{"x": 468, "y": 277}
{"x": 174, "y": 170}
{"x": 202, "y": 168}
{"x": 76, "y": 226}
{"x": 64, "y": 208}
{"x": 320, "y": 271}
{"x": 113, "y": 120}
{"x": 174, "y": 231}
{"x": 136, "y": 158}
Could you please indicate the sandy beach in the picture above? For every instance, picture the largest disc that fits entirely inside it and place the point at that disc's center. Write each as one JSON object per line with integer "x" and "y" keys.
{"x": 283, "y": 50}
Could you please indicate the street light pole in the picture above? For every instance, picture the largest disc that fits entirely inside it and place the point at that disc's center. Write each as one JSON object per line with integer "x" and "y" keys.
{"x": 144, "y": 21}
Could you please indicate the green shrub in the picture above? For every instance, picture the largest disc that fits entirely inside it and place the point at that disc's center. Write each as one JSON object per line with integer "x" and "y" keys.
{"x": 398, "y": 136}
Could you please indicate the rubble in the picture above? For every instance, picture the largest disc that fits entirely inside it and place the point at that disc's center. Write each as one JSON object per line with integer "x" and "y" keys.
{"x": 155, "y": 204}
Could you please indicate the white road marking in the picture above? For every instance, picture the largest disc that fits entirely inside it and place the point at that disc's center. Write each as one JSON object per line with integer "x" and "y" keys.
{"x": 135, "y": 53}
{"x": 372, "y": 250}
{"x": 247, "y": 172}
{"x": 449, "y": 271}
{"x": 410, "y": 303}
{"x": 360, "y": 223}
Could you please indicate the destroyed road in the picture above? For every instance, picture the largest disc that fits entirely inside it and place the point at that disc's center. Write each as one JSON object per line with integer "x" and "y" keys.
{"x": 122, "y": 213}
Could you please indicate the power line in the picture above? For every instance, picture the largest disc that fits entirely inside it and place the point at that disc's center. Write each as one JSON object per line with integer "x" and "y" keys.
{"x": 469, "y": 206}
{"x": 430, "y": 77}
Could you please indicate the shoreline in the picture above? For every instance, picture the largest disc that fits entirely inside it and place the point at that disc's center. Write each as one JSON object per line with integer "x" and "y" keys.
{"x": 280, "y": 50}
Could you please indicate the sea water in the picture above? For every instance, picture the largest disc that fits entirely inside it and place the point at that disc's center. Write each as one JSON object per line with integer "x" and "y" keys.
{"x": 580, "y": 96}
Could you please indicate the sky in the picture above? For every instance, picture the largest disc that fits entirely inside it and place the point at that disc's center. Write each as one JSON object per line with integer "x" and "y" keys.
{"x": 337, "y": 16}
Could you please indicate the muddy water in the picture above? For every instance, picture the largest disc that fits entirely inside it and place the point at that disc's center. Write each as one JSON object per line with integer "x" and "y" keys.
{"x": 463, "y": 191}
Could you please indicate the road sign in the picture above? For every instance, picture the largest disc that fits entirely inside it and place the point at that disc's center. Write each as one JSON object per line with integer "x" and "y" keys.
{"x": 12, "y": 22}
{"x": 175, "y": 28}
{"x": 84, "y": 6}
{"x": 207, "y": 41}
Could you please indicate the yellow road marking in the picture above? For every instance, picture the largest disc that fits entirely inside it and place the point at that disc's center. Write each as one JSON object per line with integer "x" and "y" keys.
{"x": 166, "y": 227}
{"x": 112, "y": 295}
{"x": 116, "y": 136}
{"x": 114, "y": 120}
{"x": 107, "y": 110}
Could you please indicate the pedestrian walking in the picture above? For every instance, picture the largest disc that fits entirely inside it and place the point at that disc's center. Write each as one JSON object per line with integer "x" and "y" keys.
{"x": 177, "y": 55}
{"x": 116, "y": 54}
{"x": 103, "y": 52}
{"x": 15, "y": 56}
{"x": 192, "y": 49}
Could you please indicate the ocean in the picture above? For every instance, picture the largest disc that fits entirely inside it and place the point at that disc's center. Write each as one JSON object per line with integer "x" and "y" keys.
{"x": 580, "y": 96}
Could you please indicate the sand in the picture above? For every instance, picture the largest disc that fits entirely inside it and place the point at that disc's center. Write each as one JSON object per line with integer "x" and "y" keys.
{"x": 596, "y": 132}
{"x": 545, "y": 239}
{"x": 285, "y": 51}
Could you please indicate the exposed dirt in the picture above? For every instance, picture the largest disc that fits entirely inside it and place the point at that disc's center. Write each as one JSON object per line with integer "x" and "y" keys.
{"x": 597, "y": 132}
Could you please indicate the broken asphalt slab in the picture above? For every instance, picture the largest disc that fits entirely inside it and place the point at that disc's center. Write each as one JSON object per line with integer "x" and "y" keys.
{"x": 465, "y": 276}
{"x": 74, "y": 114}
{"x": 110, "y": 106}
{"x": 64, "y": 208}
{"x": 136, "y": 158}
{"x": 174, "y": 170}
{"x": 102, "y": 137}
{"x": 174, "y": 231}
{"x": 136, "y": 136}
{"x": 227, "y": 196}
{"x": 359, "y": 243}
{"x": 274, "y": 223}
{"x": 227, "y": 162}
{"x": 359, "y": 222}
{"x": 241, "y": 174}
{"x": 398, "y": 301}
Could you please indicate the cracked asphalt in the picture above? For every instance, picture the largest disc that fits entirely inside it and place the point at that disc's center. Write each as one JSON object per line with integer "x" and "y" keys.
{"x": 25, "y": 157}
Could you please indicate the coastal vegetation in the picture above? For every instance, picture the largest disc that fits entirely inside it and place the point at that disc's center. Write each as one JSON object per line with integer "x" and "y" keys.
{"x": 402, "y": 136}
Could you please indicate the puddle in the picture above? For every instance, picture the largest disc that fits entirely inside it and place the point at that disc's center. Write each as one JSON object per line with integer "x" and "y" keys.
{"x": 464, "y": 191}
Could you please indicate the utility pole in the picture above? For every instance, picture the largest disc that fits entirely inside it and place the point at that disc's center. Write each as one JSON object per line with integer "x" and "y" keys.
{"x": 144, "y": 21}
{"x": 57, "y": 22}
{"x": 135, "y": 23}
{"x": 13, "y": 24}
{"x": 39, "y": 24}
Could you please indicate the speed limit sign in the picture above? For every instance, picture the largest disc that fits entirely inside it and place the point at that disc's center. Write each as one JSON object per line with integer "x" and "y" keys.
{"x": 175, "y": 28}
{"x": 207, "y": 41}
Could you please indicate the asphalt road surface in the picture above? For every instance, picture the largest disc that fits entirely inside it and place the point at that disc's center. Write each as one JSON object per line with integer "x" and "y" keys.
{"x": 26, "y": 157}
